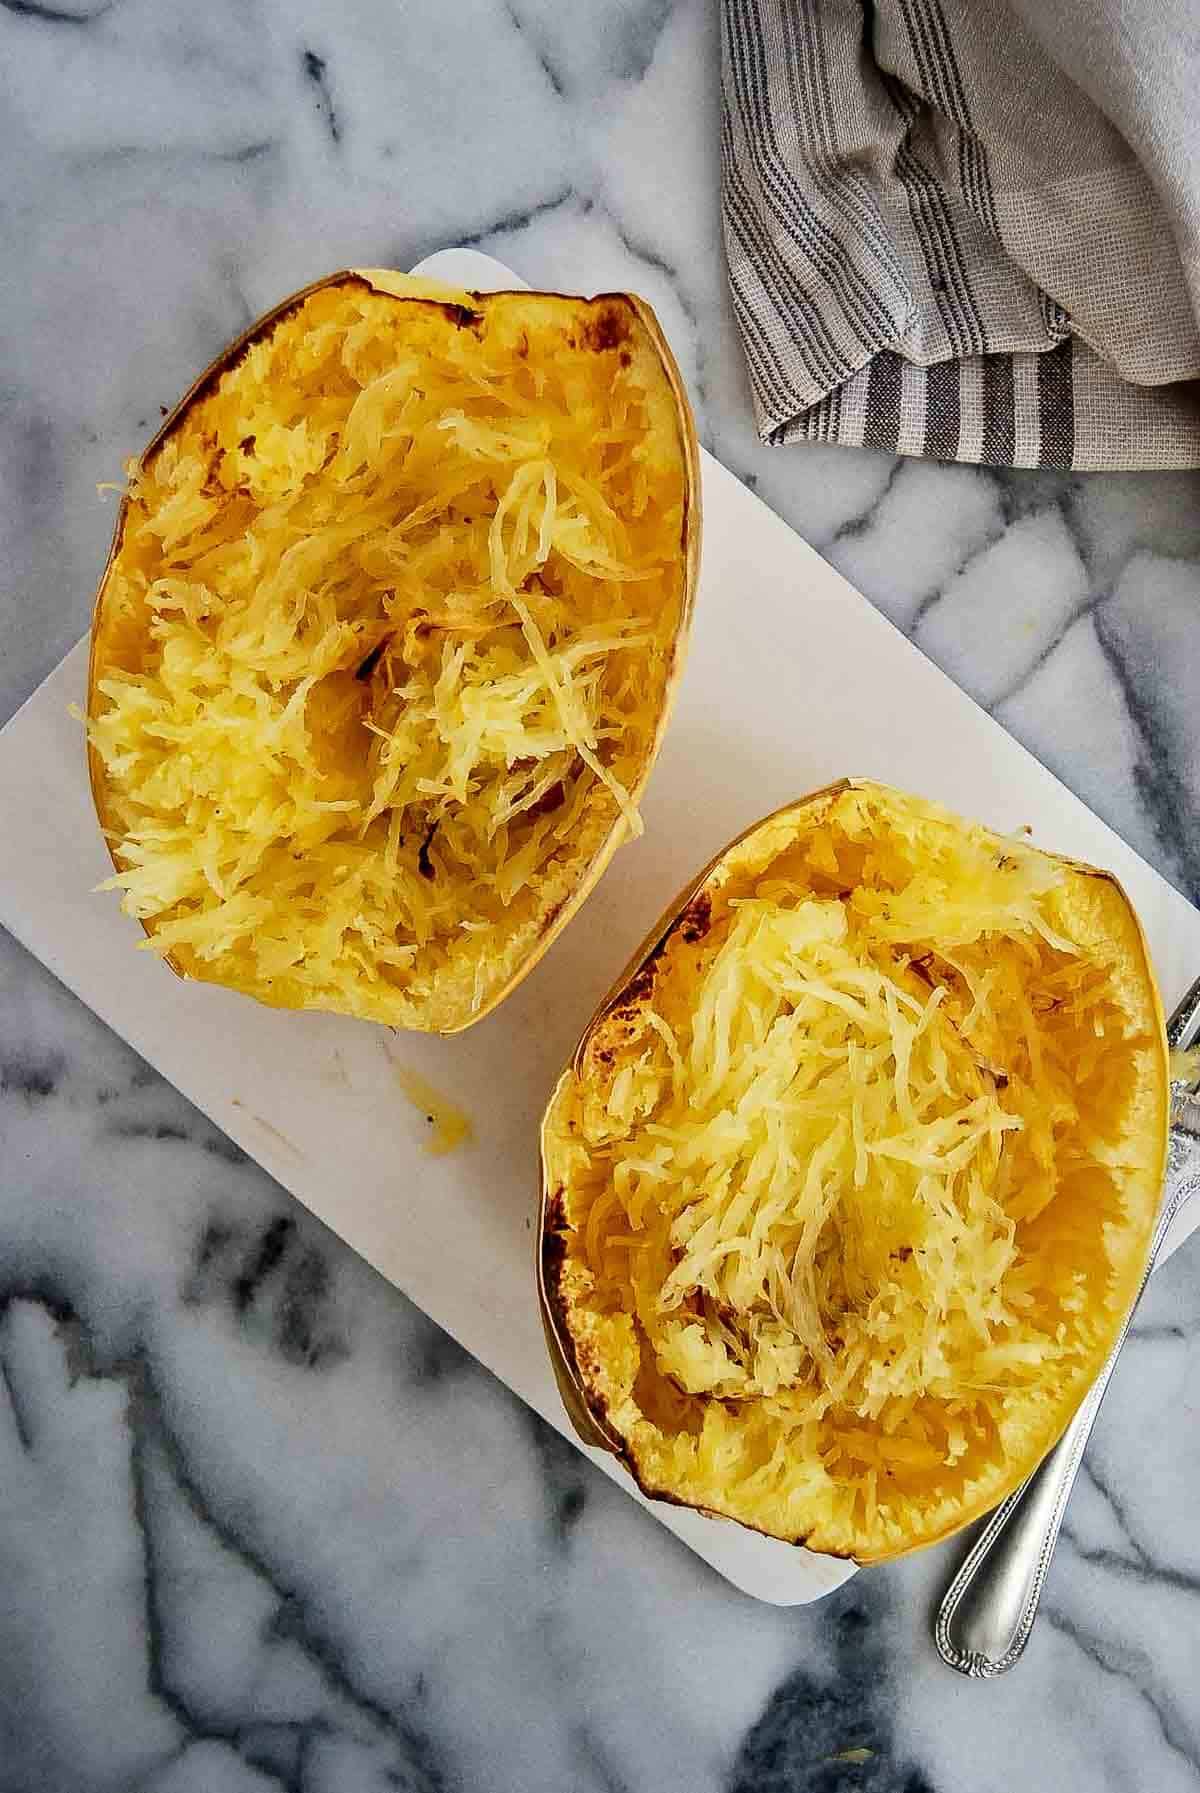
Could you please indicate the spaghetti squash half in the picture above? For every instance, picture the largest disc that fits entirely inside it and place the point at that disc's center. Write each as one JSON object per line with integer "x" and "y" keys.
{"x": 852, "y": 1179}
{"x": 387, "y": 640}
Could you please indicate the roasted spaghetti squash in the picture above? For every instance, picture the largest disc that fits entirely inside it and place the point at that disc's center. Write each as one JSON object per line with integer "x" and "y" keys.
{"x": 852, "y": 1179}
{"x": 386, "y": 643}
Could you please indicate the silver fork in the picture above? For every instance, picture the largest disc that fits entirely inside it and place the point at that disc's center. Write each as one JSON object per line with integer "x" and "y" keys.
{"x": 985, "y": 1619}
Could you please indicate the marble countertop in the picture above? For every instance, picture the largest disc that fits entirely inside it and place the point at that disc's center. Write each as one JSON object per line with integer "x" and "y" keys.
{"x": 262, "y": 1525}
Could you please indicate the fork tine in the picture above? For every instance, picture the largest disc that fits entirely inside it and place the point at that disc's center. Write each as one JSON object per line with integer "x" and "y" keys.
{"x": 1183, "y": 1028}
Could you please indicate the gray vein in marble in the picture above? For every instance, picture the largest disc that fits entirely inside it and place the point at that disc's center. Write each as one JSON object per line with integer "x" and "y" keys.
{"x": 1063, "y": 494}
{"x": 146, "y": 1125}
{"x": 231, "y": 278}
{"x": 1139, "y": 1561}
{"x": 1122, "y": 513}
{"x": 1174, "y": 807}
{"x": 57, "y": 15}
{"x": 140, "y": 1416}
{"x": 315, "y": 69}
{"x": 649, "y": 257}
{"x": 1107, "y": 1653}
{"x": 558, "y": 85}
{"x": 32, "y": 1079}
{"x": 589, "y": 1749}
{"x": 1149, "y": 1335}
{"x": 1044, "y": 654}
{"x": 276, "y": 1282}
{"x": 626, "y": 38}
{"x": 1103, "y": 1557}
{"x": 638, "y": 43}
{"x": 491, "y": 236}
{"x": 832, "y": 1732}
{"x": 934, "y": 559}
{"x": 276, "y": 1749}
{"x": 252, "y": 152}
{"x": 864, "y": 520}
{"x": 977, "y": 552}
{"x": 159, "y": 1474}
{"x": 436, "y": 1359}
{"x": 20, "y": 1423}
{"x": 166, "y": 164}
{"x": 564, "y": 1480}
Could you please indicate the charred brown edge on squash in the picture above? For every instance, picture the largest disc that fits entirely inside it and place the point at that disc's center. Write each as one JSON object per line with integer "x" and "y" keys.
{"x": 585, "y": 1406}
{"x": 690, "y": 531}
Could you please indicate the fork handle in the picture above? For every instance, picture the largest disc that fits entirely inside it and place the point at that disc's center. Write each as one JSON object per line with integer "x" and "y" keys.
{"x": 986, "y": 1617}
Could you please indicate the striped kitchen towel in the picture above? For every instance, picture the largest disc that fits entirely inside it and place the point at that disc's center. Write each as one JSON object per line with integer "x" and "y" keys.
{"x": 968, "y": 229}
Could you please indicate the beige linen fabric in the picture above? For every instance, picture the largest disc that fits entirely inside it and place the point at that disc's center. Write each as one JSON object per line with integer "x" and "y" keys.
{"x": 969, "y": 229}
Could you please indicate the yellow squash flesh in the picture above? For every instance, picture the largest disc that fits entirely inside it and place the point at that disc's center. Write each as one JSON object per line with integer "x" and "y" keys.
{"x": 851, "y": 1181}
{"x": 386, "y": 644}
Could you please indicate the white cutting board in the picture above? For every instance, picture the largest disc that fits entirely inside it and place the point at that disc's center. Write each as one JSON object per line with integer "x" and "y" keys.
{"x": 792, "y": 680}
